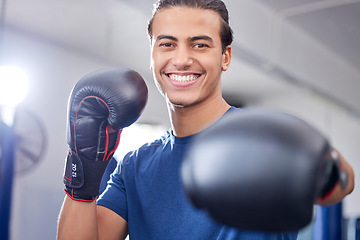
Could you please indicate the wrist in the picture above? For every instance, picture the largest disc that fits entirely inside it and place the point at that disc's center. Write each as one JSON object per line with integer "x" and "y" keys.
{"x": 334, "y": 175}
{"x": 73, "y": 195}
{"x": 82, "y": 177}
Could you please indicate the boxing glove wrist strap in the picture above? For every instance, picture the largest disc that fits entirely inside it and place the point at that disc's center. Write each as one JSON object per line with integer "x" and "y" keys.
{"x": 82, "y": 177}
{"x": 335, "y": 174}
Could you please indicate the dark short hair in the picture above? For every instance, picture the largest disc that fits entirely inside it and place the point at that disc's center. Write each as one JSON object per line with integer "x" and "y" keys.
{"x": 226, "y": 33}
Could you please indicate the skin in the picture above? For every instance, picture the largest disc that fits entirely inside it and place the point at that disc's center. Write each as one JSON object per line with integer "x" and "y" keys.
{"x": 183, "y": 53}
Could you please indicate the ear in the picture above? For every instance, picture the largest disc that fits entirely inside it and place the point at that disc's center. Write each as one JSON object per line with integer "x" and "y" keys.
{"x": 226, "y": 58}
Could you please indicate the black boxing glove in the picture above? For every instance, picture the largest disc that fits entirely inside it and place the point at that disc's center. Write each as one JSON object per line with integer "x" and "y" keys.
{"x": 258, "y": 170}
{"x": 100, "y": 105}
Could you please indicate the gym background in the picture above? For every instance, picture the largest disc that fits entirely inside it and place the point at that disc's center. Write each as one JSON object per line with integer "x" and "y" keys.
{"x": 298, "y": 56}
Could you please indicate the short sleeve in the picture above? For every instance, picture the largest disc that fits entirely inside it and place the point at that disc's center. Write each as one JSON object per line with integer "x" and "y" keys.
{"x": 114, "y": 195}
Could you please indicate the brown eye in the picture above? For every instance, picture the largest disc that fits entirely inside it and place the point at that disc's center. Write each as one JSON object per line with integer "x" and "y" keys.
{"x": 165, "y": 45}
{"x": 200, "y": 45}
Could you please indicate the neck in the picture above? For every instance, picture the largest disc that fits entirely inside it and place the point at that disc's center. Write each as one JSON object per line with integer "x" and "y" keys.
{"x": 186, "y": 121}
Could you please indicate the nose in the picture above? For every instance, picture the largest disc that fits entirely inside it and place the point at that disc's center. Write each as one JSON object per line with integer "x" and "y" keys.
{"x": 182, "y": 58}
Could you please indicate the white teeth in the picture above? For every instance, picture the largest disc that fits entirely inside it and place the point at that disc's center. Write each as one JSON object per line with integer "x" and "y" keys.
{"x": 182, "y": 78}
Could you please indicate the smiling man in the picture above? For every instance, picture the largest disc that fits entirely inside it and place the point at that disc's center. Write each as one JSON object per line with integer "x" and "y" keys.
{"x": 187, "y": 63}
{"x": 190, "y": 48}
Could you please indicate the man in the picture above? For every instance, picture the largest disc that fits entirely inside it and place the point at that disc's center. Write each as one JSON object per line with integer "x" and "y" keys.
{"x": 190, "y": 48}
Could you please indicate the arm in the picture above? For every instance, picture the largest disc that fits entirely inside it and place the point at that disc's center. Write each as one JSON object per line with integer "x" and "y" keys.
{"x": 338, "y": 192}
{"x": 111, "y": 225}
{"x": 77, "y": 220}
{"x": 86, "y": 220}
{"x": 99, "y": 107}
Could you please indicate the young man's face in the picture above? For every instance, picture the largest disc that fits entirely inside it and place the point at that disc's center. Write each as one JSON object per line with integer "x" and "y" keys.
{"x": 187, "y": 57}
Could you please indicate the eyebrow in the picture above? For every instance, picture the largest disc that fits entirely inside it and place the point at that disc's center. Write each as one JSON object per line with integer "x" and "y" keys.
{"x": 160, "y": 37}
{"x": 201, "y": 37}
{"x": 191, "y": 39}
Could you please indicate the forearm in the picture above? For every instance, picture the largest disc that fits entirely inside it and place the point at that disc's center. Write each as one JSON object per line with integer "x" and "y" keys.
{"x": 338, "y": 193}
{"x": 77, "y": 220}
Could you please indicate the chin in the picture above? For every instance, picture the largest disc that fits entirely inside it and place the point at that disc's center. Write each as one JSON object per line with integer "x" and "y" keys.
{"x": 180, "y": 104}
{"x": 186, "y": 100}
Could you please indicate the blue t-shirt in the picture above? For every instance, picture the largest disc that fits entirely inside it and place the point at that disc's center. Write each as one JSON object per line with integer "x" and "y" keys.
{"x": 145, "y": 189}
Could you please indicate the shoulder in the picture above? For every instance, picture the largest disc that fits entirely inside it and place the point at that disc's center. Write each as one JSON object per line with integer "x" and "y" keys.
{"x": 148, "y": 149}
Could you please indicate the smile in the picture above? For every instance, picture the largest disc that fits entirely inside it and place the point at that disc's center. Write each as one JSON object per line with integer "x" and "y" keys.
{"x": 183, "y": 78}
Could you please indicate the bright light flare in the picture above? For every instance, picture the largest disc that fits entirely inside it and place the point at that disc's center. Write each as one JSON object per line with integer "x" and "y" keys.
{"x": 13, "y": 85}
